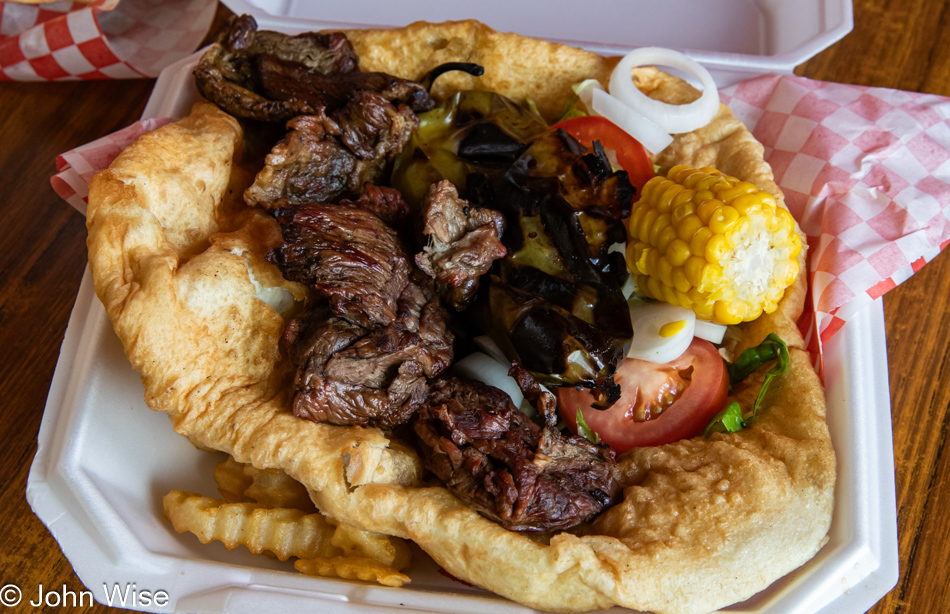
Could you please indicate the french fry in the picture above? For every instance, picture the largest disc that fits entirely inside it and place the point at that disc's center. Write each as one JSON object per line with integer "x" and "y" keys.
{"x": 268, "y": 487}
{"x": 354, "y": 542}
{"x": 351, "y": 568}
{"x": 231, "y": 480}
{"x": 284, "y": 532}
{"x": 275, "y": 488}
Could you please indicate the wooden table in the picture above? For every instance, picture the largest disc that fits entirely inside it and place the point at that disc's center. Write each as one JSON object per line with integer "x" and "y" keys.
{"x": 903, "y": 45}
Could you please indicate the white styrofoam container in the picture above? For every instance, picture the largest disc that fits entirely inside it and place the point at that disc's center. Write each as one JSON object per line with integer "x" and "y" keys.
{"x": 104, "y": 461}
{"x": 734, "y": 39}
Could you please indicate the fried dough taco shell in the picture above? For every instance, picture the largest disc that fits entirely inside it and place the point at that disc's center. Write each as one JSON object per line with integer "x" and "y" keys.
{"x": 178, "y": 262}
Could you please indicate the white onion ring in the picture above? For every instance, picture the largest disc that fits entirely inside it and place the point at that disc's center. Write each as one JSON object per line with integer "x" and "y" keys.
{"x": 674, "y": 118}
{"x": 630, "y": 121}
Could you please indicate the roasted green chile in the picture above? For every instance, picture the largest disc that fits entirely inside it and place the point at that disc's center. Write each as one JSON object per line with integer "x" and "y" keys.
{"x": 554, "y": 302}
{"x": 474, "y": 131}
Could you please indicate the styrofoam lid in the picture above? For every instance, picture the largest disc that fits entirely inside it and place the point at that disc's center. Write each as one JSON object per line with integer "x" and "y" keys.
{"x": 748, "y": 35}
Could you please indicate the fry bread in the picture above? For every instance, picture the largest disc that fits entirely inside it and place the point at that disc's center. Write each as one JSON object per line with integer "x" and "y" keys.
{"x": 180, "y": 270}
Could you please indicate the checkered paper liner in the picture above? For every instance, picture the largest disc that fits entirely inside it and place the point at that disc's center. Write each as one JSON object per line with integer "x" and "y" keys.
{"x": 105, "y": 39}
{"x": 75, "y": 168}
{"x": 865, "y": 171}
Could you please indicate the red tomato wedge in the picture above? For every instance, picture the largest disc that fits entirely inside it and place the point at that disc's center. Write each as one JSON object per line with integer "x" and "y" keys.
{"x": 706, "y": 381}
{"x": 630, "y": 153}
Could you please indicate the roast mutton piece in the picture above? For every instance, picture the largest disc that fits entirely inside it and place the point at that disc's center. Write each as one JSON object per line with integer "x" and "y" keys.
{"x": 462, "y": 243}
{"x": 524, "y": 476}
{"x": 364, "y": 357}
{"x": 273, "y": 77}
{"x": 323, "y": 159}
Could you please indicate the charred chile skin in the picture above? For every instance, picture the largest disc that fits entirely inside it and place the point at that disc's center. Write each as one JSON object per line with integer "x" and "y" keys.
{"x": 473, "y": 132}
{"x": 554, "y": 302}
{"x": 556, "y": 298}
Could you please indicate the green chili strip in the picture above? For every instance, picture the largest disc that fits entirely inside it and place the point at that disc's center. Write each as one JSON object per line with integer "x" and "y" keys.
{"x": 585, "y": 430}
{"x": 772, "y": 348}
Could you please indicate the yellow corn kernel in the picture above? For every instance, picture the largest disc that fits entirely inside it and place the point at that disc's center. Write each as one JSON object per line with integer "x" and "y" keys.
{"x": 680, "y": 280}
{"x": 682, "y": 211}
{"x": 729, "y": 312}
{"x": 697, "y": 244}
{"x": 722, "y": 220}
{"x": 750, "y": 204}
{"x": 688, "y": 226}
{"x": 648, "y": 194}
{"x": 668, "y": 294}
{"x": 662, "y": 221}
{"x": 665, "y": 271}
{"x": 716, "y": 249}
{"x": 706, "y": 210}
{"x": 683, "y": 299}
{"x": 678, "y": 252}
{"x": 665, "y": 200}
{"x": 694, "y": 270}
{"x": 665, "y": 238}
{"x": 636, "y": 217}
{"x": 643, "y": 230}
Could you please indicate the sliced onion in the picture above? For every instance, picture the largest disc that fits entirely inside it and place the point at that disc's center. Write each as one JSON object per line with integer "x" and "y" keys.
{"x": 585, "y": 91}
{"x": 710, "y": 331}
{"x": 673, "y": 118}
{"x": 489, "y": 371}
{"x": 488, "y": 345}
{"x": 632, "y": 122}
{"x": 647, "y": 343}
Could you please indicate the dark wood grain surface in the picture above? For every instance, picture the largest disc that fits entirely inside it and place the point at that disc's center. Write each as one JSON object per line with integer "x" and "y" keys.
{"x": 903, "y": 45}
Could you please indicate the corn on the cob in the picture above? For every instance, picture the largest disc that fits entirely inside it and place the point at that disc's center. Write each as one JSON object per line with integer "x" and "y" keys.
{"x": 711, "y": 243}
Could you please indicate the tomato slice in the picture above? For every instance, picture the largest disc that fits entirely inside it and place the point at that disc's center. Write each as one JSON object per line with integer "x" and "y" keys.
{"x": 631, "y": 155}
{"x": 706, "y": 381}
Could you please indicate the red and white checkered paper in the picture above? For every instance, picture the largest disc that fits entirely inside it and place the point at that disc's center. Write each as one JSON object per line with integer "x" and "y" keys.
{"x": 865, "y": 171}
{"x": 106, "y": 39}
{"x": 74, "y": 169}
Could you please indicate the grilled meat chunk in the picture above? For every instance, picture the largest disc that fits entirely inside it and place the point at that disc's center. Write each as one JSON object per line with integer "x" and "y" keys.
{"x": 347, "y": 254}
{"x": 387, "y": 203}
{"x": 269, "y": 76}
{"x": 363, "y": 359}
{"x": 294, "y": 81}
{"x": 323, "y": 159}
{"x": 350, "y": 375}
{"x": 493, "y": 457}
{"x": 463, "y": 242}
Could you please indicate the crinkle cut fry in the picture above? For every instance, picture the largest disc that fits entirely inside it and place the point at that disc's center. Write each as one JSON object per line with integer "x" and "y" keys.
{"x": 284, "y": 532}
{"x": 766, "y": 489}
{"x": 351, "y": 568}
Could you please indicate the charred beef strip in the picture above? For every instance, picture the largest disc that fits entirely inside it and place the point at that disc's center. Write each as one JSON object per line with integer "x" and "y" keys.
{"x": 365, "y": 358}
{"x": 293, "y": 81}
{"x": 524, "y": 476}
{"x": 463, "y": 242}
{"x": 347, "y": 254}
{"x": 323, "y": 159}
{"x": 269, "y": 76}
{"x": 350, "y": 375}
